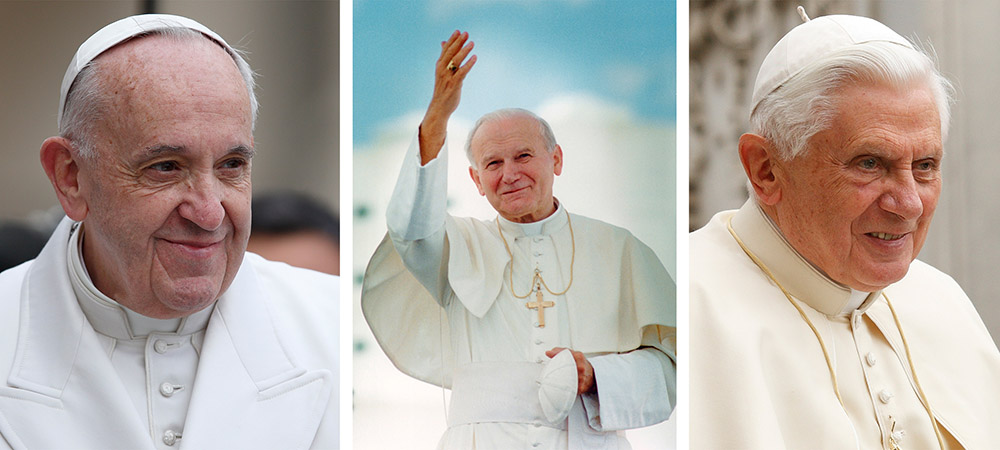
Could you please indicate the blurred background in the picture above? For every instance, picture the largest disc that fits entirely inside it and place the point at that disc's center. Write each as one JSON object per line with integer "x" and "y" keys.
{"x": 603, "y": 74}
{"x": 728, "y": 41}
{"x": 292, "y": 45}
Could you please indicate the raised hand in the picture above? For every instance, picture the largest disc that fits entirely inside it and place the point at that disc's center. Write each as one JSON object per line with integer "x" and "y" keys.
{"x": 449, "y": 73}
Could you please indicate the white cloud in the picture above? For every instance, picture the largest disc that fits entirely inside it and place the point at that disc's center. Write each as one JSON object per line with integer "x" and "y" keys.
{"x": 627, "y": 80}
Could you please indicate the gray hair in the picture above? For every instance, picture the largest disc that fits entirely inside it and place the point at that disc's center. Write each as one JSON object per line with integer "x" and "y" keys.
{"x": 805, "y": 105}
{"x": 88, "y": 99}
{"x": 508, "y": 113}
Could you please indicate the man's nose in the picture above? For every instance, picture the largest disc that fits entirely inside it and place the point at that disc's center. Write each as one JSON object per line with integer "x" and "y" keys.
{"x": 902, "y": 197}
{"x": 202, "y": 203}
{"x": 510, "y": 173}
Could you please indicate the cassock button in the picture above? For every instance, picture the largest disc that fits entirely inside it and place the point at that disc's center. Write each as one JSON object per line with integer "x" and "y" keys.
{"x": 167, "y": 389}
{"x": 884, "y": 396}
{"x": 170, "y": 437}
{"x": 536, "y": 444}
{"x": 161, "y": 346}
{"x": 538, "y": 253}
{"x": 870, "y": 359}
{"x": 538, "y": 360}
{"x": 538, "y": 342}
{"x": 536, "y": 324}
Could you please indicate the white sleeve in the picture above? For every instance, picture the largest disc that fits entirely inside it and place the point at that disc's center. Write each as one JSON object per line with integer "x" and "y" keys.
{"x": 416, "y": 217}
{"x": 632, "y": 390}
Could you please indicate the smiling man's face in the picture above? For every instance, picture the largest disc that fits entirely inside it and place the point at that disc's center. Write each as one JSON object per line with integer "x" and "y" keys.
{"x": 514, "y": 169}
{"x": 858, "y": 201}
{"x": 168, "y": 191}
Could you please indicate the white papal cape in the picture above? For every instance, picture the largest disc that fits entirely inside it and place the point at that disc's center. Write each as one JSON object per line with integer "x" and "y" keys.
{"x": 759, "y": 379}
{"x": 444, "y": 313}
{"x": 266, "y": 378}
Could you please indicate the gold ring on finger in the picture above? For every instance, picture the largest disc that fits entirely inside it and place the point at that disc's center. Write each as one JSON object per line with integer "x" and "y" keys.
{"x": 452, "y": 67}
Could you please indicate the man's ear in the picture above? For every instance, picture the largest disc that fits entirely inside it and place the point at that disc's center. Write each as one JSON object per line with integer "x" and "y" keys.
{"x": 475, "y": 179}
{"x": 557, "y": 155}
{"x": 760, "y": 158}
{"x": 64, "y": 173}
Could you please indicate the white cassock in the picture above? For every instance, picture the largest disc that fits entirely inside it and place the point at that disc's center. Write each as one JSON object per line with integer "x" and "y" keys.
{"x": 464, "y": 330}
{"x": 255, "y": 370}
{"x": 759, "y": 379}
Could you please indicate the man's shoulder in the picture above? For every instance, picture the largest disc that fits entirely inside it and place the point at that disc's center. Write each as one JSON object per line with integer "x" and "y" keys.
{"x": 601, "y": 230}
{"x": 294, "y": 288}
{"x": 597, "y": 224}
{"x": 927, "y": 280}
{"x": 711, "y": 235}
{"x": 282, "y": 273}
{"x": 14, "y": 275}
{"x": 713, "y": 251}
{"x": 11, "y": 281}
{"x": 303, "y": 303}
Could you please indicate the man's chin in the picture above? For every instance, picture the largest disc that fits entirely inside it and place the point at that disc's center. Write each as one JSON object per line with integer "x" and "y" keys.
{"x": 189, "y": 295}
{"x": 881, "y": 276}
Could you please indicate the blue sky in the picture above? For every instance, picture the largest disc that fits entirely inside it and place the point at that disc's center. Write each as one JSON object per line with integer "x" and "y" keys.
{"x": 623, "y": 52}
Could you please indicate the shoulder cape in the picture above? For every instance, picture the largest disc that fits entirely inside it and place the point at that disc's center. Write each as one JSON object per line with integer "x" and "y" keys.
{"x": 620, "y": 287}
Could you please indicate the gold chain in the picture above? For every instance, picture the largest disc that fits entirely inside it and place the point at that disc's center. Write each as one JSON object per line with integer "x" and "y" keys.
{"x": 538, "y": 275}
{"x": 913, "y": 370}
{"x": 829, "y": 364}
{"x": 822, "y": 345}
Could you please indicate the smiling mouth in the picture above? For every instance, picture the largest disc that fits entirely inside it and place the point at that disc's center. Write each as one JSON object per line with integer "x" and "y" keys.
{"x": 886, "y": 236}
{"x": 513, "y": 191}
{"x": 192, "y": 244}
{"x": 195, "y": 249}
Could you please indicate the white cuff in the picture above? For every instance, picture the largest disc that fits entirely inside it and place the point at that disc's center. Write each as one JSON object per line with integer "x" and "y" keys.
{"x": 631, "y": 391}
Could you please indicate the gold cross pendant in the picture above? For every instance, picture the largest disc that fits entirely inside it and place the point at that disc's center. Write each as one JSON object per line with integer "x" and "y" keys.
{"x": 540, "y": 306}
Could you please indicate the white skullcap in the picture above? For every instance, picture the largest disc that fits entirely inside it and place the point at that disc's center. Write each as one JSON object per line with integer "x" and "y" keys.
{"x": 812, "y": 41}
{"x": 121, "y": 31}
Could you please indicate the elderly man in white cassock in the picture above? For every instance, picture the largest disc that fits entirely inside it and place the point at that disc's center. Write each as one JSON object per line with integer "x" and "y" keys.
{"x": 812, "y": 323}
{"x": 553, "y": 330}
{"x": 143, "y": 323}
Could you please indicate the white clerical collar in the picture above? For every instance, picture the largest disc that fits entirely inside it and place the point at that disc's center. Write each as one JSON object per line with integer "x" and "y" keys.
{"x": 109, "y": 317}
{"x": 545, "y": 226}
{"x": 803, "y": 280}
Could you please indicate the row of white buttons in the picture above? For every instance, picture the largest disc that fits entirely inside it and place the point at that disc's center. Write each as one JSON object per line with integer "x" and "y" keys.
{"x": 885, "y": 396}
{"x": 161, "y": 346}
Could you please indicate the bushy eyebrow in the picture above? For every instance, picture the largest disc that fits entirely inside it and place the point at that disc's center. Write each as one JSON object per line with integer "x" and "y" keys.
{"x": 159, "y": 150}
{"x": 241, "y": 150}
{"x": 244, "y": 151}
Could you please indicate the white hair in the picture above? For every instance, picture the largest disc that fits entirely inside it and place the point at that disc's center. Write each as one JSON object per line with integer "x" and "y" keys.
{"x": 88, "y": 99}
{"x": 508, "y": 113}
{"x": 806, "y": 104}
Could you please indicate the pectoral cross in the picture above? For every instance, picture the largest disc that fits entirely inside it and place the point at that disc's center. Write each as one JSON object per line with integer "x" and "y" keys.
{"x": 539, "y": 305}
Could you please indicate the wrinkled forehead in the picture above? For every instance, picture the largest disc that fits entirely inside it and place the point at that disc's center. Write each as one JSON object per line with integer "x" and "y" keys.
{"x": 909, "y": 103}
{"x": 509, "y": 133}
{"x": 170, "y": 62}
{"x": 159, "y": 80}
{"x": 121, "y": 31}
